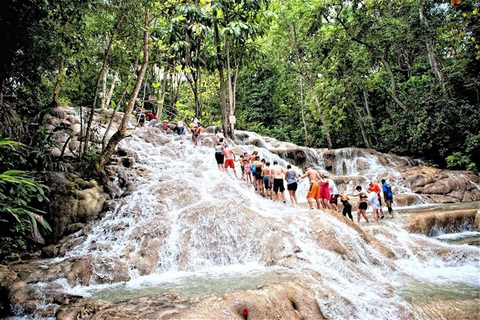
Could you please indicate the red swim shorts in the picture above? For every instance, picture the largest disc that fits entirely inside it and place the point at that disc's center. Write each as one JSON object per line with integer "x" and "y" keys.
{"x": 229, "y": 163}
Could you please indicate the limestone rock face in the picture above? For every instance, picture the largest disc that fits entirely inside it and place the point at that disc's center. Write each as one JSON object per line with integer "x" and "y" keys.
{"x": 431, "y": 222}
{"x": 274, "y": 301}
{"x": 442, "y": 186}
{"x": 7, "y": 278}
{"x": 73, "y": 201}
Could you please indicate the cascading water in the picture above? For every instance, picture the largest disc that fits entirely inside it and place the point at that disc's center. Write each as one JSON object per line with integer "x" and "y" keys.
{"x": 190, "y": 229}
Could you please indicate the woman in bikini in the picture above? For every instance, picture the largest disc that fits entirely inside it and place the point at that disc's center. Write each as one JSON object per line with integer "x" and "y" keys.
{"x": 362, "y": 206}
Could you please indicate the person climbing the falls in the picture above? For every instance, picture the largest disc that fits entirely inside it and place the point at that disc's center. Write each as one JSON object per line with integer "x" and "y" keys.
{"x": 347, "y": 207}
{"x": 165, "y": 126}
{"x": 387, "y": 196}
{"x": 362, "y": 205}
{"x": 229, "y": 160}
{"x": 258, "y": 175}
{"x": 277, "y": 173}
{"x": 313, "y": 176}
{"x": 373, "y": 199}
{"x": 376, "y": 188}
{"x": 140, "y": 116}
{"x": 332, "y": 187}
{"x": 248, "y": 173}
{"x": 291, "y": 177}
{"x": 152, "y": 119}
{"x": 180, "y": 128}
{"x": 219, "y": 156}
{"x": 198, "y": 131}
{"x": 244, "y": 162}
{"x": 267, "y": 182}
{"x": 323, "y": 191}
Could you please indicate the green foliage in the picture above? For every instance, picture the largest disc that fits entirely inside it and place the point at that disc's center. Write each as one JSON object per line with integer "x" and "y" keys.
{"x": 18, "y": 218}
{"x": 457, "y": 160}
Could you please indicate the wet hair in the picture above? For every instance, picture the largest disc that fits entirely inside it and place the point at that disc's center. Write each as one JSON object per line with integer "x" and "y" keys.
{"x": 263, "y": 160}
{"x": 275, "y": 162}
{"x": 221, "y": 140}
{"x": 267, "y": 164}
{"x": 289, "y": 167}
{"x": 257, "y": 157}
{"x": 383, "y": 181}
{"x": 358, "y": 188}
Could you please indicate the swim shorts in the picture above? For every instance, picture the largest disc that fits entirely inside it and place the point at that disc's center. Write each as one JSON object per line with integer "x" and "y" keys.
{"x": 229, "y": 163}
{"x": 312, "y": 192}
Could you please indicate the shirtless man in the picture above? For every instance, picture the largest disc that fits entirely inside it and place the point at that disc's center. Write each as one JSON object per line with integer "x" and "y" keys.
{"x": 258, "y": 175}
{"x": 199, "y": 130}
{"x": 313, "y": 176}
{"x": 267, "y": 180}
{"x": 229, "y": 160}
{"x": 277, "y": 173}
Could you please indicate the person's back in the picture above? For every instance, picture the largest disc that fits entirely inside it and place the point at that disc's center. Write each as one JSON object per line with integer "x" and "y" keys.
{"x": 312, "y": 174}
{"x": 387, "y": 196}
{"x": 291, "y": 176}
{"x": 228, "y": 153}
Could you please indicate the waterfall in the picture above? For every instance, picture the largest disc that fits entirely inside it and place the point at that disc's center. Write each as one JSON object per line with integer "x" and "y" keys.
{"x": 192, "y": 229}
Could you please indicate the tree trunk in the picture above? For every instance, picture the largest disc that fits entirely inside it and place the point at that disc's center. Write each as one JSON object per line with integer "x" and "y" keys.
{"x": 223, "y": 101}
{"x": 100, "y": 76}
{"x": 367, "y": 108}
{"x": 393, "y": 84}
{"x": 120, "y": 134}
{"x": 200, "y": 100}
{"x": 231, "y": 108}
{"x": 120, "y": 100}
{"x": 56, "y": 90}
{"x": 104, "y": 89}
{"x": 361, "y": 122}
{"x": 161, "y": 99}
{"x": 322, "y": 116}
{"x": 305, "y": 129}
{"x": 110, "y": 91}
{"x": 432, "y": 58}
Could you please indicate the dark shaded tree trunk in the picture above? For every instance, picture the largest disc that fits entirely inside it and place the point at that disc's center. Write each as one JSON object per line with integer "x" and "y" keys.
{"x": 223, "y": 101}
{"x": 99, "y": 79}
{"x": 120, "y": 134}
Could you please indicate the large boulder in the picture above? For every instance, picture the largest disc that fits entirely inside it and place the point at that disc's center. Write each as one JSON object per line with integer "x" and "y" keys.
{"x": 72, "y": 201}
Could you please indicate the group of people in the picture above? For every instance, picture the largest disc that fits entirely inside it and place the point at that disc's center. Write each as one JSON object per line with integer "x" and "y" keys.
{"x": 180, "y": 128}
{"x": 141, "y": 115}
{"x": 268, "y": 180}
{"x": 324, "y": 191}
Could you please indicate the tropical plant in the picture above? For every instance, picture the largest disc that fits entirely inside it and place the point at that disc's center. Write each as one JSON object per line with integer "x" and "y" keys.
{"x": 19, "y": 219}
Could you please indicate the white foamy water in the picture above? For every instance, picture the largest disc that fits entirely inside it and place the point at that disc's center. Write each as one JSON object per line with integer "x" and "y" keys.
{"x": 190, "y": 228}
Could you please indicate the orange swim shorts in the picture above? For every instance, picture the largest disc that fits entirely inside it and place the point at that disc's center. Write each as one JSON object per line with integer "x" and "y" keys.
{"x": 229, "y": 163}
{"x": 312, "y": 192}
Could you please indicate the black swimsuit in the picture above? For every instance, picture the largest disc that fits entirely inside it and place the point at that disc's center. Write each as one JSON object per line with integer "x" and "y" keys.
{"x": 363, "y": 205}
{"x": 347, "y": 209}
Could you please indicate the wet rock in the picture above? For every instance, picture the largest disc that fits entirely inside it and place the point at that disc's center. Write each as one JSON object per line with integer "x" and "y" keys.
{"x": 73, "y": 200}
{"x": 431, "y": 223}
{"x": 7, "y": 278}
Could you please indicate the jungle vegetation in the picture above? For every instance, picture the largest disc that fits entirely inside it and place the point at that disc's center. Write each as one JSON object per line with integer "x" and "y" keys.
{"x": 398, "y": 76}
